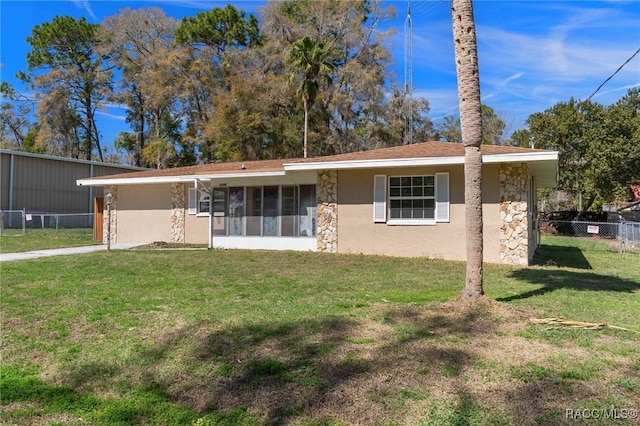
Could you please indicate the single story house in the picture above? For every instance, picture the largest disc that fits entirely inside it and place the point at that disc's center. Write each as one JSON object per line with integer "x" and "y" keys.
{"x": 401, "y": 201}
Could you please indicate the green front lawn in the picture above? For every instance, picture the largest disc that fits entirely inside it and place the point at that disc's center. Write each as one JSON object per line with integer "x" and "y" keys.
{"x": 255, "y": 337}
{"x": 42, "y": 239}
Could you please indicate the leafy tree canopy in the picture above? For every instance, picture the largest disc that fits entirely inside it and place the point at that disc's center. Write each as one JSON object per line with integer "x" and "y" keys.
{"x": 493, "y": 128}
{"x": 64, "y": 42}
{"x": 219, "y": 28}
{"x": 213, "y": 87}
{"x": 599, "y": 147}
{"x": 63, "y": 65}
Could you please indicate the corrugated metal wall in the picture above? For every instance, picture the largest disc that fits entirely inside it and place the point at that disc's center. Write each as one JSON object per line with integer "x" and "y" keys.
{"x": 47, "y": 184}
{"x": 5, "y": 166}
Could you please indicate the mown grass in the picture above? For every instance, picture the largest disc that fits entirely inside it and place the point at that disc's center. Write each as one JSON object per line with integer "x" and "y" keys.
{"x": 42, "y": 239}
{"x": 256, "y": 337}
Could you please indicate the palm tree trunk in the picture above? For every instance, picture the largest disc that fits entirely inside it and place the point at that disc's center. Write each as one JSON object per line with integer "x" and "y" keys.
{"x": 140, "y": 135}
{"x": 306, "y": 126}
{"x": 89, "y": 129}
{"x": 466, "y": 55}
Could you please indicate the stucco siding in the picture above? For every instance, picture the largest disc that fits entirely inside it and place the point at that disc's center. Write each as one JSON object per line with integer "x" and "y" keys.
{"x": 490, "y": 212}
{"x": 196, "y": 229}
{"x": 357, "y": 232}
{"x": 144, "y": 213}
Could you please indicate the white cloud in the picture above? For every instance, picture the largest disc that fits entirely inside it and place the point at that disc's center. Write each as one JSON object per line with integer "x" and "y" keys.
{"x": 510, "y": 78}
{"x": 113, "y": 111}
{"x": 111, "y": 115}
{"x": 630, "y": 86}
{"x": 550, "y": 66}
{"x": 485, "y": 97}
{"x": 441, "y": 101}
{"x": 618, "y": 91}
{"x": 249, "y": 6}
{"x": 84, "y": 4}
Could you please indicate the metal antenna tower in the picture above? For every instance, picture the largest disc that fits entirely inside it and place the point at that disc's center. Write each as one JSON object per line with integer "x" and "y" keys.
{"x": 408, "y": 76}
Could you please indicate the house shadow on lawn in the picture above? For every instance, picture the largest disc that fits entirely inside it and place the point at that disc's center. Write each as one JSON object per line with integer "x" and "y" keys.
{"x": 561, "y": 256}
{"x": 552, "y": 279}
{"x": 556, "y": 279}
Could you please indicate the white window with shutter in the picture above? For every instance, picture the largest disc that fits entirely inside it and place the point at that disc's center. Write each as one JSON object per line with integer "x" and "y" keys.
{"x": 199, "y": 201}
{"x": 380, "y": 198}
{"x": 411, "y": 200}
{"x": 442, "y": 197}
{"x": 193, "y": 201}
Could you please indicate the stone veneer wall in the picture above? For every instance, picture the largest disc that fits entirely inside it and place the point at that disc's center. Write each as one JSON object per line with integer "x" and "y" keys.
{"x": 327, "y": 213}
{"x": 514, "y": 236}
{"x": 177, "y": 213}
{"x": 105, "y": 217}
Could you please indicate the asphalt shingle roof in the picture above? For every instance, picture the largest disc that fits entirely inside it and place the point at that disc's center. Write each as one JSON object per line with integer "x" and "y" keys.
{"x": 418, "y": 150}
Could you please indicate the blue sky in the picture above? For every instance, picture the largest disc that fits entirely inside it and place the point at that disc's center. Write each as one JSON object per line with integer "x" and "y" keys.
{"x": 532, "y": 53}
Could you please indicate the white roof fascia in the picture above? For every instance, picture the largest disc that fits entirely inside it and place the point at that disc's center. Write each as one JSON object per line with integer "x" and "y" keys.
{"x": 330, "y": 165}
{"x": 233, "y": 175}
{"x": 170, "y": 179}
{"x": 520, "y": 157}
{"x": 126, "y": 181}
{"x": 371, "y": 164}
{"x": 421, "y": 161}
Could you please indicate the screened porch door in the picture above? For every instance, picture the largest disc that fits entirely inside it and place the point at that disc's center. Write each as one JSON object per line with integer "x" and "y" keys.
{"x": 220, "y": 201}
{"x": 264, "y": 211}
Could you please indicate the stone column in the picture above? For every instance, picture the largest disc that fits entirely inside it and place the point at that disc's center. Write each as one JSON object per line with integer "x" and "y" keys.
{"x": 514, "y": 235}
{"x": 177, "y": 213}
{"x": 327, "y": 213}
{"x": 105, "y": 217}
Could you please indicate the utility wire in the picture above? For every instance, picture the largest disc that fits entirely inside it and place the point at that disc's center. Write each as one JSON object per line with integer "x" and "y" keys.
{"x": 610, "y": 77}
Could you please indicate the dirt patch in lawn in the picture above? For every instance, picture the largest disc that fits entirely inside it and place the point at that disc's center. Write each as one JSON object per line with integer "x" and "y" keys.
{"x": 400, "y": 364}
{"x": 163, "y": 245}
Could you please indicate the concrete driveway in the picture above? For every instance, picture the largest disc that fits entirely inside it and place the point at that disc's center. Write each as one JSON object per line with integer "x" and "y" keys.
{"x": 8, "y": 257}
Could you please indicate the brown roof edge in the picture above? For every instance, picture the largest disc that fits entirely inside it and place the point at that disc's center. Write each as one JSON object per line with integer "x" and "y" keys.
{"x": 431, "y": 149}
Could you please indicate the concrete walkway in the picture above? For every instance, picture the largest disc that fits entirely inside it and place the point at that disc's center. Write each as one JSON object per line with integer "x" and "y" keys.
{"x": 8, "y": 257}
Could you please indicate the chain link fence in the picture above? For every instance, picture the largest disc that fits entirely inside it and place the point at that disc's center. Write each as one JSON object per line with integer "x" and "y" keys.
{"x": 629, "y": 237}
{"x": 626, "y": 234}
{"x": 59, "y": 221}
{"x": 12, "y": 222}
{"x": 16, "y": 222}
